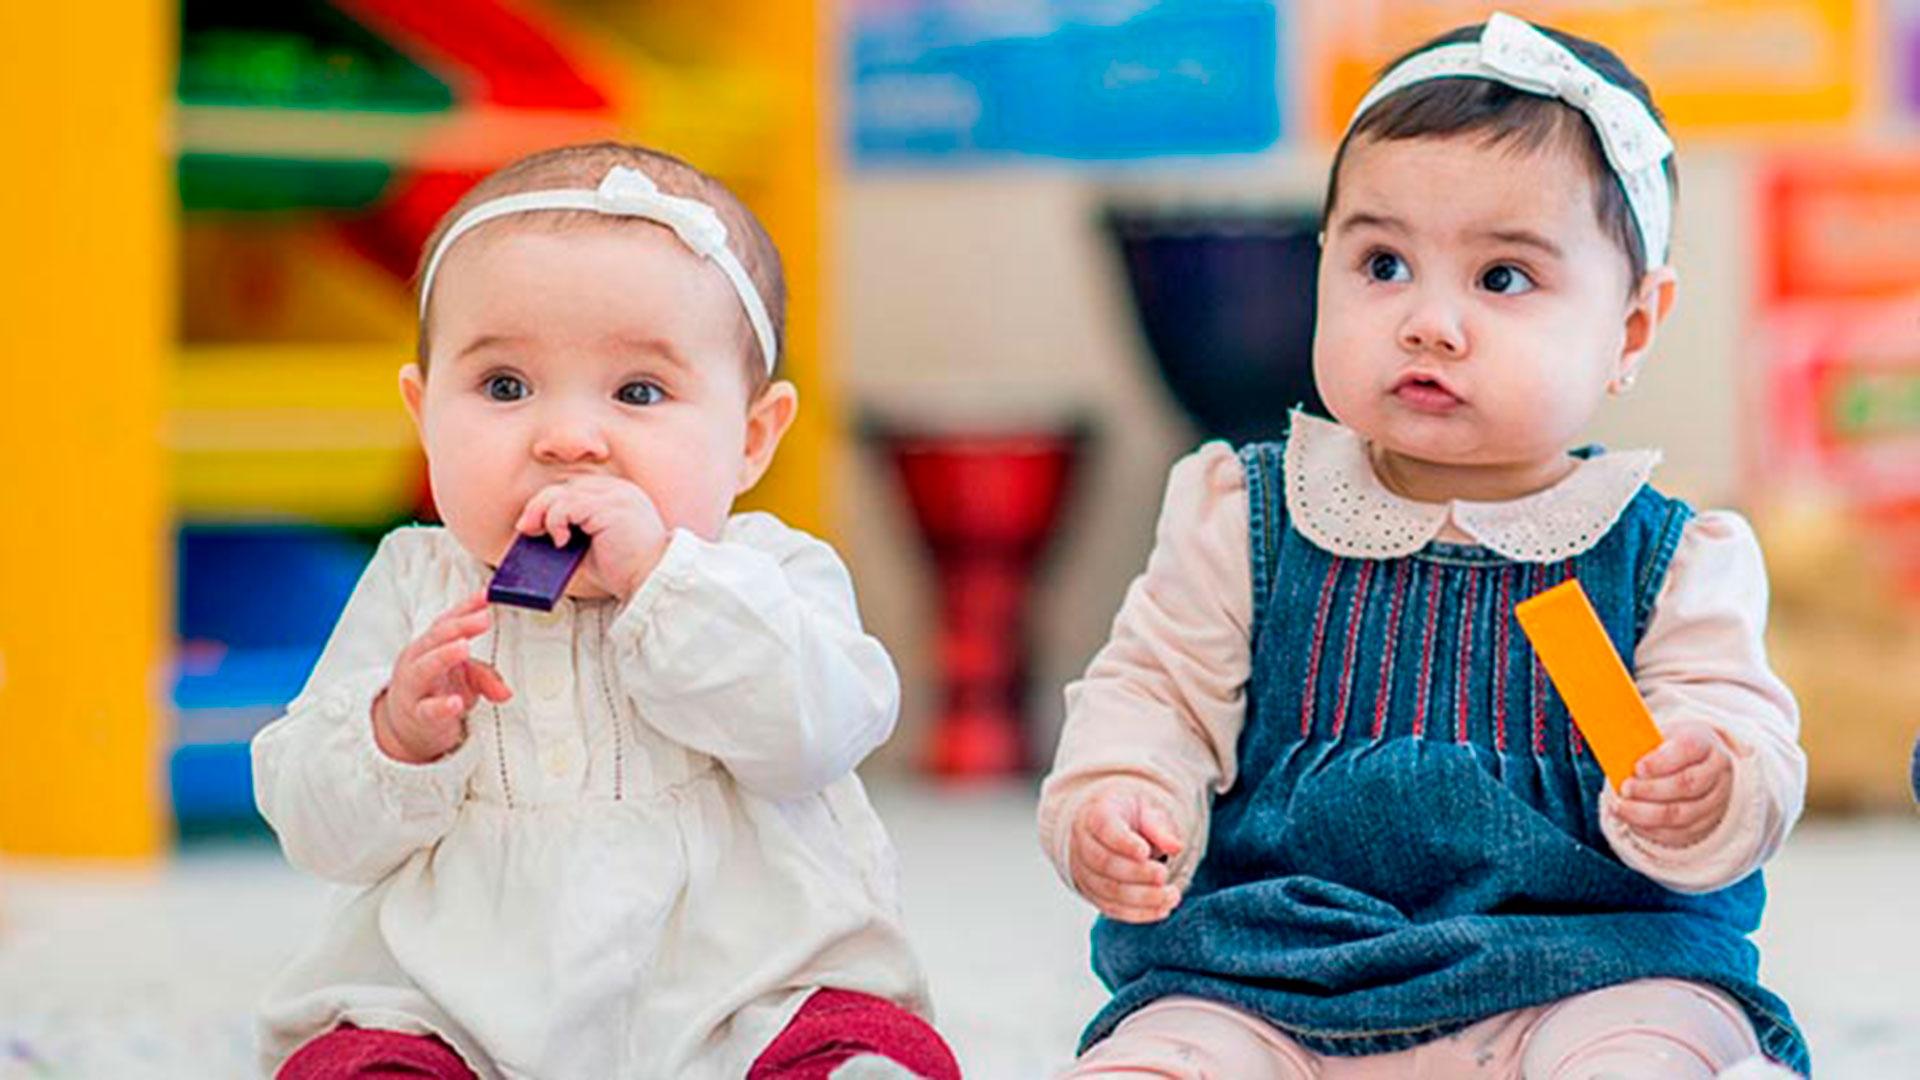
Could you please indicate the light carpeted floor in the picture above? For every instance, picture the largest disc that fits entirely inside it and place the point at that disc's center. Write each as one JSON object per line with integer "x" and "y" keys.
{"x": 143, "y": 974}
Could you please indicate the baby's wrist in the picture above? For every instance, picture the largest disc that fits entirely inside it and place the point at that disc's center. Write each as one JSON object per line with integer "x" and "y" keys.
{"x": 387, "y": 738}
{"x": 643, "y": 568}
{"x": 1125, "y": 785}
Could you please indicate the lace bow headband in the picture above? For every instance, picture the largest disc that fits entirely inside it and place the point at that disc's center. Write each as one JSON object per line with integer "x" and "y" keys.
{"x": 1514, "y": 52}
{"x": 627, "y": 192}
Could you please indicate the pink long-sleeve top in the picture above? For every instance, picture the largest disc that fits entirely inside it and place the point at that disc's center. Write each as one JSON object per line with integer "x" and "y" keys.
{"x": 1163, "y": 701}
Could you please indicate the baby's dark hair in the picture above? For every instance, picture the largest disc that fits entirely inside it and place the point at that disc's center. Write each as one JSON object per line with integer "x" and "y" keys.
{"x": 584, "y": 166}
{"x": 1504, "y": 114}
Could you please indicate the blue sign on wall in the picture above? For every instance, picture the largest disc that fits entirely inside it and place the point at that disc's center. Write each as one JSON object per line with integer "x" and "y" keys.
{"x": 1083, "y": 79}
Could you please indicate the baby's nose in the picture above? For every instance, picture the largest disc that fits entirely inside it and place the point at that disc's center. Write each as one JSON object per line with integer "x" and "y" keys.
{"x": 569, "y": 438}
{"x": 1433, "y": 329}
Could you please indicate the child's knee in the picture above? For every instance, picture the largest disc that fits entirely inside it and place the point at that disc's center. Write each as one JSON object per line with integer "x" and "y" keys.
{"x": 840, "y": 1033}
{"x": 1656, "y": 1028}
{"x": 348, "y": 1052}
{"x": 1193, "y": 1039}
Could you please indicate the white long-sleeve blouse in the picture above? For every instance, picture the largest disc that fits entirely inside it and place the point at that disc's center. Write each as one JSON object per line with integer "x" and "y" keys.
{"x": 641, "y": 864}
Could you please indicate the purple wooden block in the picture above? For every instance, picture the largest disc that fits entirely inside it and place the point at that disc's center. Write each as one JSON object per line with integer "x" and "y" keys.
{"x": 535, "y": 572}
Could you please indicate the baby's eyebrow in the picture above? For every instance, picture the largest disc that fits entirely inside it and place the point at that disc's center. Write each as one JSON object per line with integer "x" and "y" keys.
{"x": 648, "y": 346}
{"x": 1524, "y": 238}
{"x": 485, "y": 342}
{"x": 1365, "y": 219}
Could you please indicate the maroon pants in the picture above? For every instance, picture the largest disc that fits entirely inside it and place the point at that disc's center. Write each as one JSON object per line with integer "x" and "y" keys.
{"x": 831, "y": 1027}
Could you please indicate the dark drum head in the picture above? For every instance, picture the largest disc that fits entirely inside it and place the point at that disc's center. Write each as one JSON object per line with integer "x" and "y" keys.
{"x": 1226, "y": 301}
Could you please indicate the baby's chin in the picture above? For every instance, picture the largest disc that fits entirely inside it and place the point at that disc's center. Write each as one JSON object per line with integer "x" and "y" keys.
{"x": 582, "y": 589}
{"x": 1413, "y": 437}
{"x": 1446, "y": 449}
{"x": 488, "y": 545}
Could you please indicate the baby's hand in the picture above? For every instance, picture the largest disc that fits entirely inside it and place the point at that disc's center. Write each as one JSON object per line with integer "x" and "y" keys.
{"x": 1680, "y": 791}
{"x": 421, "y": 715}
{"x": 628, "y": 536}
{"x": 1117, "y": 854}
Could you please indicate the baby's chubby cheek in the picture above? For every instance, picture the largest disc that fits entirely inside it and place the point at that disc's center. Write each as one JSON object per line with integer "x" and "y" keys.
{"x": 480, "y": 516}
{"x": 703, "y": 514}
{"x": 486, "y": 537}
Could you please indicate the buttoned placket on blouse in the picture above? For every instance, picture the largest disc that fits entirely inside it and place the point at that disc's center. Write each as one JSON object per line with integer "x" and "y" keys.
{"x": 558, "y": 732}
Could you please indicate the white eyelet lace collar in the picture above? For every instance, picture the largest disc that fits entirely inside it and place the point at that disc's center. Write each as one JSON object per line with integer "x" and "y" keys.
{"x": 1335, "y": 500}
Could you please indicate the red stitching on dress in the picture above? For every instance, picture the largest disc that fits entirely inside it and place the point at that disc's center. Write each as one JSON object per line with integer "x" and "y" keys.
{"x": 1466, "y": 656}
{"x": 1500, "y": 641}
{"x": 1357, "y": 613}
{"x": 1393, "y": 640}
{"x": 1426, "y": 654}
{"x": 1537, "y": 684}
{"x": 1319, "y": 639}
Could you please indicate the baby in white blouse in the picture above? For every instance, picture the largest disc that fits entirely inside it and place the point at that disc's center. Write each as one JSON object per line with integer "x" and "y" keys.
{"x": 623, "y": 838}
{"x": 1316, "y": 781}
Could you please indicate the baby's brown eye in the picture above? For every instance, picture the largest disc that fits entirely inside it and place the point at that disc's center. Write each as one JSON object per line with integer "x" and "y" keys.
{"x": 1506, "y": 279}
{"x": 505, "y": 388}
{"x": 1386, "y": 266}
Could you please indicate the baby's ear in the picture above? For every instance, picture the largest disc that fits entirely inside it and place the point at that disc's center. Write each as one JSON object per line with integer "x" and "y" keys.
{"x": 768, "y": 418}
{"x": 1651, "y": 304}
{"x": 413, "y": 390}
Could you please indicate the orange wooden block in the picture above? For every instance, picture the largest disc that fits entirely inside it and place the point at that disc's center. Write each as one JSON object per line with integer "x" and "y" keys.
{"x": 1579, "y": 658}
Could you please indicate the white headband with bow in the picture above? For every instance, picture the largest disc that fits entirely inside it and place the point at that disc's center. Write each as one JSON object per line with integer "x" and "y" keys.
{"x": 627, "y": 193}
{"x": 1513, "y": 52}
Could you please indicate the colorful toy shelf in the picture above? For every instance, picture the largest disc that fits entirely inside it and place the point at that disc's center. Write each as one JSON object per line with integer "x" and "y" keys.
{"x": 294, "y": 106}
{"x": 255, "y": 606}
{"x": 310, "y": 433}
{"x": 318, "y": 142}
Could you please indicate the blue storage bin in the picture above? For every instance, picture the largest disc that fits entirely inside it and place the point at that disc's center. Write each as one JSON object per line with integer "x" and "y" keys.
{"x": 260, "y": 586}
{"x": 255, "y": 607}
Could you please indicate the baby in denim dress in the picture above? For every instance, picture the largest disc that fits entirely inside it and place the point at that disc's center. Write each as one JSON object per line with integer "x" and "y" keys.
{"x": 1336, "y": 819}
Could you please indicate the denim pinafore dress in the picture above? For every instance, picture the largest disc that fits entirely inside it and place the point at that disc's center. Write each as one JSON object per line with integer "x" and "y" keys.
{"x": 1414, "y": 844}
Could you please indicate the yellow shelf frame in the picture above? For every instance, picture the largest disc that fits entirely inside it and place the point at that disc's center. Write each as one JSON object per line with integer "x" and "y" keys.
{"x": 87, "y": 206}
{"x": 87, "y": 347}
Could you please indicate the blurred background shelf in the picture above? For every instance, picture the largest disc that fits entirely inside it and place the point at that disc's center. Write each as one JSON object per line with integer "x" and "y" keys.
{"x": 255, "y": 604}
{"x": 317, "y": 144}
{"x": 284, "y": 432}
